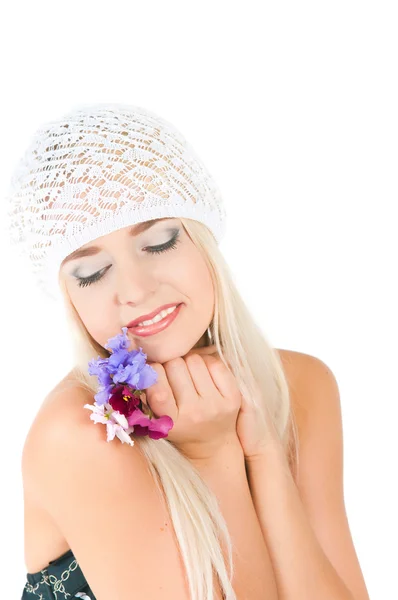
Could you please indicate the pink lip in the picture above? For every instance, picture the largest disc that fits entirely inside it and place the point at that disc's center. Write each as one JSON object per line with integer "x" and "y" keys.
{"x": 150, "y": 316}
{"x": 146, "y": 330}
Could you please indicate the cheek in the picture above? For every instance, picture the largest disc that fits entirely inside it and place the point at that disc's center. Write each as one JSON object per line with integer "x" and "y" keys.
{"x": 91, "y": 314}
{"x": 194, "y": 280}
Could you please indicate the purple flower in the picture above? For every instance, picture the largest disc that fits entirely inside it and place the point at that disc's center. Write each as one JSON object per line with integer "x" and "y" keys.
{"x": 121, "y": 367}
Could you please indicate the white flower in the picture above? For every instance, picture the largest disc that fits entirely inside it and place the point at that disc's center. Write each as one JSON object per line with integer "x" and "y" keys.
{"x": 116, "y": 423}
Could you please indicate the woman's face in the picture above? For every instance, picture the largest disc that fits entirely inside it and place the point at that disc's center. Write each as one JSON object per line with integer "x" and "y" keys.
{"x": 133, "y": 275}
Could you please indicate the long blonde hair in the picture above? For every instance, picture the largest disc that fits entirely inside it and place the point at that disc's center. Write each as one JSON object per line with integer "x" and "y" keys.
{"x": 197, "y": 520}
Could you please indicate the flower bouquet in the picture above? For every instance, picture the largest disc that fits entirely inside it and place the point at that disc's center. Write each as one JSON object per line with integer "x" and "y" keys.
{"x": 123, "y": 377}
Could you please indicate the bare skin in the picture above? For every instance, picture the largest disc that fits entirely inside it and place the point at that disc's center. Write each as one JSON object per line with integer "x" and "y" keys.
{"x": 134, "y": 282}
{"x": 176, "y": 275}
{"x": 43, "y": 540}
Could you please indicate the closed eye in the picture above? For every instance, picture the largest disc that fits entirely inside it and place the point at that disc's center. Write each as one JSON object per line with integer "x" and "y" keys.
{"x": 170, "y": 245}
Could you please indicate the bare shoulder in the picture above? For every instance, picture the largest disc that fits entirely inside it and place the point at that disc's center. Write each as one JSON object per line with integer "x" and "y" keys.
{"x": 310, "y": 381}
{"x": 61, "y": 411}
{"x": 299, "y": 369}
{"x": 292, "y": 365}
{"x": 102, "y": 497}
{"x": 291, "y": 361}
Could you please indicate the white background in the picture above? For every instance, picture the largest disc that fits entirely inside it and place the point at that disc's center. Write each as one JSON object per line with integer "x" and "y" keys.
{"x": 293, "y": 108}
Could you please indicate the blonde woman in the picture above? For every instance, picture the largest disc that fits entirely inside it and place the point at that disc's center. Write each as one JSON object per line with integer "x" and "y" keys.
{"x": 243, "y": 499}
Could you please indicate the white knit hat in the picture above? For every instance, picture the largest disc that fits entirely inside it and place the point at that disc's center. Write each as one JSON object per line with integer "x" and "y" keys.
{"x": 99, "y": 168}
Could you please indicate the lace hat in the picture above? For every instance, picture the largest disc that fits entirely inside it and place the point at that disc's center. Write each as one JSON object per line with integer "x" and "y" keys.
{"x": 99, "y": 168}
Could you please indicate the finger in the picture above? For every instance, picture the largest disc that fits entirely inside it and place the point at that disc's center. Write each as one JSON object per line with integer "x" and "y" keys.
{"x": 200, "y": 375}
{"x": 160, "y": 396}
{"x": 205, "y": 351}
{"x": 223, "y": 379}
{"x": 180, "y": 381}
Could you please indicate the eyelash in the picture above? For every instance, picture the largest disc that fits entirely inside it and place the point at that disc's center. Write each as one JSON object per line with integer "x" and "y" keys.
{"x": 170, "y": 245}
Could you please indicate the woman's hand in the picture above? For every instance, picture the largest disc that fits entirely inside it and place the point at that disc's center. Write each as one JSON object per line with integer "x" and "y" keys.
{"x": 254, "y": 429}
{"x": 201, "y": 396}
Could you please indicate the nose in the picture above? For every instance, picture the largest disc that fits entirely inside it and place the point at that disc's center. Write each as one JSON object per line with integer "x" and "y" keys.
{"x": 135, "y": 282}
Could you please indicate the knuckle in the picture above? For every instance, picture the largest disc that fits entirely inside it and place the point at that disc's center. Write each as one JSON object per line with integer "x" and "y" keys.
{"x": 196, "y": 418}
{"x": 159, "y": 396}
{"x": 213, "y": 413}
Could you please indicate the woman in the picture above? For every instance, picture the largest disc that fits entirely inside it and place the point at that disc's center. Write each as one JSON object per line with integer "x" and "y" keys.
{"x": 118, "y": 215}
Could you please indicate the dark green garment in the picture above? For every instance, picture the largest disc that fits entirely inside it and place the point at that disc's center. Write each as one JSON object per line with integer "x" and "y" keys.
{"x": 62, "y": 579}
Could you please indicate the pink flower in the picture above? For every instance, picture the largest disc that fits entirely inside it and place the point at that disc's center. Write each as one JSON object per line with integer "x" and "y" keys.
{"x": 145, "y": 425}
{"x": 124, "y": 399}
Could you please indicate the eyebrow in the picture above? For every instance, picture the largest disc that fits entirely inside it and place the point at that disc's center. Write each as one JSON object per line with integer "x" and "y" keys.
{"x": 92, "y": 250}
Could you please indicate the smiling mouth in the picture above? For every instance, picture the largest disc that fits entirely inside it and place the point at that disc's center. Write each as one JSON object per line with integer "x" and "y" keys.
{"x": 157, "y": 326}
